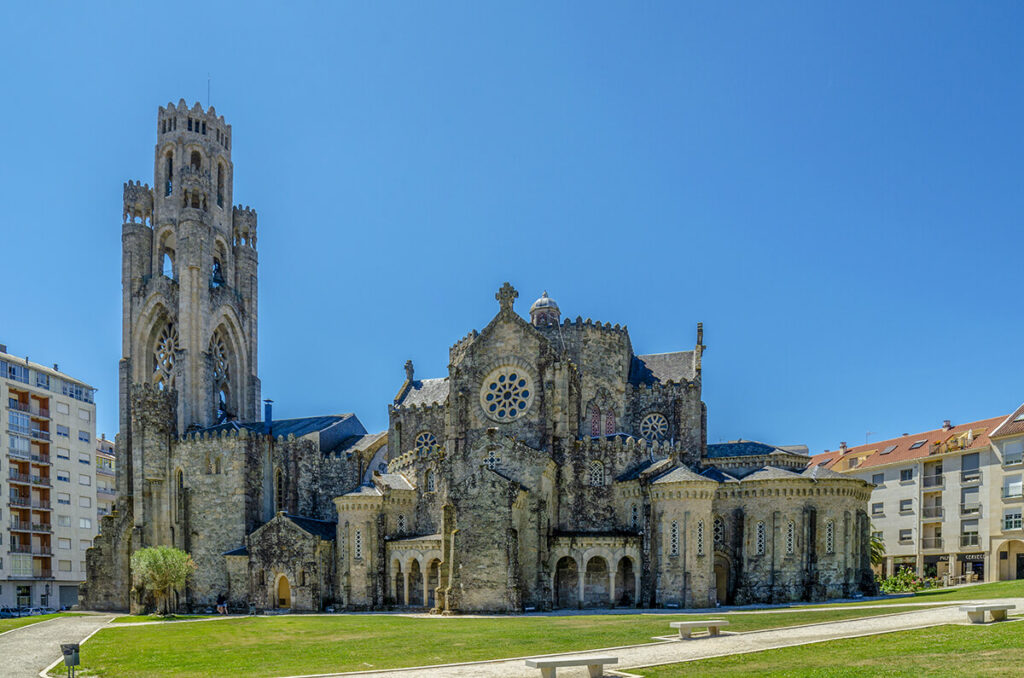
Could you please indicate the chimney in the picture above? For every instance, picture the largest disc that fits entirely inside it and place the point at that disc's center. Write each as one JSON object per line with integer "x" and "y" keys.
{"x": 268, "y": 415}
{"x": 56, "y": 368}
{"x": 842, "y": 446}
{"x": 946, "y": 425}
{"x": 3, "y": 348}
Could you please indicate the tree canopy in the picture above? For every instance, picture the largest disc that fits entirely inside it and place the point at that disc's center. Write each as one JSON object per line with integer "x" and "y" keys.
{"x": 162, "y": 569}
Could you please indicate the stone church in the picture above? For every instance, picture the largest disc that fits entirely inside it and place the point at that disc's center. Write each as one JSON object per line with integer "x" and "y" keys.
{"x": 552, "y": 467}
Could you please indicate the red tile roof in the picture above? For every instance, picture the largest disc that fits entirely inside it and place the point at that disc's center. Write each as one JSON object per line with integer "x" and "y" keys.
{"x": 933, "y": 440}
{"x": 1011, "y": 426}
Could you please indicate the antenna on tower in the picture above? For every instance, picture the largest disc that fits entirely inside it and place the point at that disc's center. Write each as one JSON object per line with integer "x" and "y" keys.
{"x": 207, "y": 90}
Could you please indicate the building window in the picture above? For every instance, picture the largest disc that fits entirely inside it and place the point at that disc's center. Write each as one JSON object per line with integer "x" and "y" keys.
{"x": 878, "y": 479}
{"x": 430, "y": 481}
{"x": 830, "y": 537}
{"x": 761, "y": 539}
{"x": 906, "y": 505}
{"x": 700, "y": 537}
{"x": 63, "y": 408}
{"x": 609, "y": 423}
{"x": 492, "y": 459}
{"x": 673, "y": 549}
{"x": 878, "y": 509}
{"x": 906, "y": 475}
{"x": 83, "y": 414}
{"x": 596, "y": 474}
{"x": 84, "y": 544}
{"x": 43, "y": 380}
{"x": 63, "y": 498}
{"x": 426, "y": 442}
{"x": 64, "y": 544}
{"x": 84, "y": 458}
{"x": 1012, "y": 519}
{"x": 654, "y": 427}
{"x": 595, "y": 420}
{"x": 790, "y": 538}
{"x": 64, "y": 565}
{"x": 84, "y": 480}
{"x": 63, "y": 431}
{"x": 63, "y": 453}
{"x": 85, "y": 502}
{"x": 64, "y": 521}
{"x": 358, "y": 545}
{"x": 85, "y": 523}
{"x": 64, "y": 476}
{"x": 279, "y": 490}
{"x": 634, "y": 517}
{"x": 905, "y": 536}
{"x": 506, "y": 394}
{"x": 719, "y": 532}
{"x": 401, "y": 523}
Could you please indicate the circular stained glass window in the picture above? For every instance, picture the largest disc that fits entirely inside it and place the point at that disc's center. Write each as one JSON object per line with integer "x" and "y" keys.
{"x": 426, "y": 442}
{"x": 654, "y": 427}
{"x": 506, "y": 394}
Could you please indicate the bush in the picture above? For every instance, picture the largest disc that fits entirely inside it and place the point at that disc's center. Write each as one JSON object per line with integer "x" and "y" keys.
{"x": 907, "y": 581}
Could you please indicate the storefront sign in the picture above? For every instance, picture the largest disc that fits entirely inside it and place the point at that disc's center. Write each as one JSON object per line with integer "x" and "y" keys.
{"x": 971, "y": 557}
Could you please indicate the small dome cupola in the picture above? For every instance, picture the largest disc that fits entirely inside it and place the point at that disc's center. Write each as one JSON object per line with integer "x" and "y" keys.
{"x": 544, "y": 312}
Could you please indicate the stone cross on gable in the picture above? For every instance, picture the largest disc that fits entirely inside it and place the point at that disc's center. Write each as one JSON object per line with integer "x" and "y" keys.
{"x": 506, "y": 296}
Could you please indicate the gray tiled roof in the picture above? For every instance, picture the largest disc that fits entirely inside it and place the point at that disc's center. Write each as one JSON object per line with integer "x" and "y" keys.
{"x": 819, "y": 472}
{"x": 718, "y": 475}
{"x": 319, "y": 528}
{"x": 357, "y": 443}
{"x": 396, "y": 481}
{"x": 363, "y": 491}
{"x": 283, "y": 427}
{"x": 240, "y": 551}
{"x": 643, "y": 468}
{"x": 680, "y": 474}
{"x": 661, "y": 367}
{"x": 425, "y": 392}
{"x": 771, "y": 473}
{"x": 739, "y": 448}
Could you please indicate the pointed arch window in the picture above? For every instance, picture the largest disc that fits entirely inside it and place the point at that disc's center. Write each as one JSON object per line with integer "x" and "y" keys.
{"x": 357, "y": 545}
{"x": 279, "y": 490}
{"x": 719, "y": 532}
{"x": 830, "y": 537}
{"x": 430, "y": 481}
{"x": 164, "y": 354}
{"x": 167, "y": 265}
{"x": 168, "y": 173}
{"x": 790, "y": 538}
{"x": 220, "y": 354}
{"x": 179, "y": 495}
{"x": 196, "y": 160}
{"x": 220, "y": 185}
{"x": 596, "y": 475}
{"x": 595, "y": 420}
{"x": 634, "y": 516}
{"x": 401, "y": 523}
{"x": 761, "y": 538}
{"x": 673, "y": 549}
{"x": 700, "y": 537}
{"x": 609, "y": 423}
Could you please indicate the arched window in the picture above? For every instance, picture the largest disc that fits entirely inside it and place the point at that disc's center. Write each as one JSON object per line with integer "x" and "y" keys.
{"x": 216, "y": 274}
{"x": 761, "y": 540}
{"x": 220, "y": 355}
{"x": 830, "y": 537}
{"x": 492, "y": 459}
{"x": 719, "y": 532}
{"x": 673, "y": 548}
{"x": 179, "y": 495}
{"x": 595, "y": 420}
{"x": 700, "y": 537}
{"x": 609, "y": 423}
{"x": 596, "y": 473}
{"x": 634, "y": 516}
{"x": 790, "y": 538}
{"x": 357, "y": 546}
{"x": 169, "y": 173}
{"x": 208, "y": 466}
{"x": 401, "y": 523}
{"x": 168, "y": 265}
{"x": 654, "y": 427}
{"x": 426, "y": 442}
{"x": 217, "y": 465}
{"x": 430, "y": 481}
{"x": 279, "y": 490}
{"x": 196, "y": 160}
{"x": 220, "y": 185}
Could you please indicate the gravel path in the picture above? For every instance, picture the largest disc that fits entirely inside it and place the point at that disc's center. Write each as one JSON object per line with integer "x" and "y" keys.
{"x": 668, "y": 652}
{"x": 27, "y": 650}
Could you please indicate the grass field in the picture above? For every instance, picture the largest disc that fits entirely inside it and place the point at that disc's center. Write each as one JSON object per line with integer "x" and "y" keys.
{"x": 268, "y": 646}
{"x": 993, "y": 650}
{"x": 1000, "y": 589}
{"x": 18, "y": 622}
{"x": 139, "y": 618}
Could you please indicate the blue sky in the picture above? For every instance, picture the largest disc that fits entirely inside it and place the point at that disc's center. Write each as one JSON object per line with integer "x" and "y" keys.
{"x": 833, "y": 189}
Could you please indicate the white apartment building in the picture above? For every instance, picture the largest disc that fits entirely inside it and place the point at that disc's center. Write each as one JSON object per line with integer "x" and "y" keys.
{"x": 48, "y": 477}
{"x": 946, "y": 502}
{"x": 106, "y": 485}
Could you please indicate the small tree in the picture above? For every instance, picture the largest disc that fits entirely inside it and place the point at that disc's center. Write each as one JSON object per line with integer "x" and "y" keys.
{"x": 877, "y": 548}
{"x": 162, "y": 569}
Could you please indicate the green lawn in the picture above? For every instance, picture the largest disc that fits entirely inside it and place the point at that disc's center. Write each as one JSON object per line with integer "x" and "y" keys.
{"x": 139, "y": 618}
{"x": 999, "y": 589}
{"x": 268, "y": 646}
{"x": 17, "y": 622}
{"x": 992, "y": 650}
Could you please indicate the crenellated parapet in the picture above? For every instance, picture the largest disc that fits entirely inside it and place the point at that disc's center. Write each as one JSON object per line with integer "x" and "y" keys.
{"x": 243, "y": 226}
{"x": 138, "y": 203}
{"x": 180, "y": 121}
{"x": 595, "y": 325}
{"x": 460, "y": 347}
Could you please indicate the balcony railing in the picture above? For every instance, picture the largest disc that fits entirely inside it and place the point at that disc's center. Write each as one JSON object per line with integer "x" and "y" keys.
{"x": 970, "y": 509}
{"x": 969, "y": 539}
{"x": 16, "y": 500}
{"x": 18, "y": 405}
{"x": 970, "y": 477}
{"x": 931, "y": 542}
{"x": 933, "y": 481}
{"x": 1013, "y": 492}
{"x": 21, "y": 548}
{"x": 41, "y": 458}
{"x": 16, "y": 477}
{"x": 1013, "y": 461}
{"x": 106, "y": 491}
{"x": 18, "y": 454}
{"x": 931, "y": 512}
{"x": 105, "y": 471}
{"x": 42, "y": 527}
{"x": 40, "y": 434}
{"x": 21, "y": 525}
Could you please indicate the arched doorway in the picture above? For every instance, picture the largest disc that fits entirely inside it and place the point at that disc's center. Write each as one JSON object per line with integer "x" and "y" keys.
{"x": 721, "y": 580}
{"x": 399, "y": 584}
{"x": 415, "y": 584}
{"x": 1010, "y": 560}
{"x": 433, "y": 580}
{"x": 625, "y": 582}
{"x": 284, "y": 593}
{"x": 595, "y": 583}
{"x": 567, "y": 581}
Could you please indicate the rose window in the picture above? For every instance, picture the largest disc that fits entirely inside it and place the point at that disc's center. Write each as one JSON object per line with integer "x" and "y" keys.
{"x": 426, "y": 442}
{"x": 654, "y": 427}
{"x": 506, "y": 394}
{"x": 163, "y": 356}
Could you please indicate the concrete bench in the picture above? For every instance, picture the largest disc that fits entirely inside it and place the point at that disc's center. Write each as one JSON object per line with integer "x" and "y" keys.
{"x": 547, "y": 665}
{"x": 976, "y": 613}
{"x": 686, "y": 627}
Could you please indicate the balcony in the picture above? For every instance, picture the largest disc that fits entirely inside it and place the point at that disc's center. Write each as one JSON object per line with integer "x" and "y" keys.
{"x": 1013, "y": 492}
{"x": 41, "y": 458}
{"x": 42, "y": 527}
{"x": 935, "y": 481}
{"x": 20, "y": 525}
{"x": 17, "y": 500}
{"x": 21, "y": 548}
{"x": 1015, "y": 460}
{"x": 16, "y": 477}
{"x": 39, "y": 412}
{"x": 931, "y": 542}
{"x": 106, "y": 491}
{"x": 931, "y": 512}
{"x": 40, "y": 434}
{"x": 41, "y": 480}
{"x": 970, "y": 477}
{"x": 18, "y": 454}
{"x": 100, "y": 470}
{"x": 41, "y": 574}
{"x": 970, "y": 509}
{"x": 967, "y": 540}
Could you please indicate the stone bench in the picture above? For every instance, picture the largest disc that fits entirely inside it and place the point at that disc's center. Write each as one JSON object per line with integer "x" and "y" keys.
{"x": 548, "y": 665}
{"x": 976, "y": 613}
{"x": 686, "y": 627}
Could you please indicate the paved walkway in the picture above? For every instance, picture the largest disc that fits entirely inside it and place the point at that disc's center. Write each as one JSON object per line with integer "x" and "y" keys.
{"x": 668, "y": 652}
{"x": 27, "y": 650}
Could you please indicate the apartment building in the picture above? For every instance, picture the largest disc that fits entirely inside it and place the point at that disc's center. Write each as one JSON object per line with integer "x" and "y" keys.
{"x": 946, "y": 502}
{"x": 48, "y": 475}
{"x": 106, "y": 485}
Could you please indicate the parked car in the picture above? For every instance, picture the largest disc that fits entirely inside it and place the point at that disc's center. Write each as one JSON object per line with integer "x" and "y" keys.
{"x": 32, "y": 611}
{"x": 7, "y": 613}
{"x": 47, "y": 610}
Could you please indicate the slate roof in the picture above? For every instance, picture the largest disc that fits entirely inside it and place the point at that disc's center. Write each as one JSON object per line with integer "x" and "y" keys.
{"x": 601, "y": 533}
{"x": 318, "y": 528}
{"x": 364, "y": 491}
{"x": 423, "y": 537}
{"x": 425, "y": 392}
{"x": 646, "y": 466}
{"x": 1011, "y": 426}
{"x": 396, "y": 481}
{"x": 283, "y": 427}
{"x": 817, "y": 472}
{"x": 657, "y": 368}
{"x": 718, "y": 475}
{"x": 680, "y": 474}
{"x": 240, "y": 551}
{"x": 741, "y": 448}
{"x": 771, "y": 473}
{"x": 357, "y": 443}
{"x": 899, "y": 449}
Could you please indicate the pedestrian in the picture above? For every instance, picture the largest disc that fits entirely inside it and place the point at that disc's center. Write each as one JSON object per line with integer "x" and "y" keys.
{"x": 222, "y": 606}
